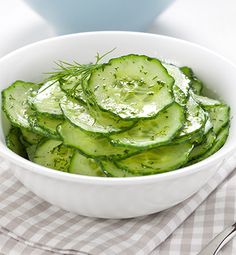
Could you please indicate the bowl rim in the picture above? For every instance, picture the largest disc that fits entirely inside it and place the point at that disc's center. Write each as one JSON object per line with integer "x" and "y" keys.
{"x": 41, "y": 170}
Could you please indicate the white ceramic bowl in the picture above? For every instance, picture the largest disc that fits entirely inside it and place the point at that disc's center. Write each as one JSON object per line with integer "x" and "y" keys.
{"x": 118, "y": 197}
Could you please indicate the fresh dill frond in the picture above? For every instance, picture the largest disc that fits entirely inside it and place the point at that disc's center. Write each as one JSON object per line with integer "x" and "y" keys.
{"x": 65, "y": 71}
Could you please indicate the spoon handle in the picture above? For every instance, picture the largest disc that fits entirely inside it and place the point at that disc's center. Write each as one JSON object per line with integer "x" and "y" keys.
{"x": 219, "y": 241}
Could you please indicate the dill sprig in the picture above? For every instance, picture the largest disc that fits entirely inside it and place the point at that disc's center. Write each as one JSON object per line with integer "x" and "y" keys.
{"x": 65, "y": 71}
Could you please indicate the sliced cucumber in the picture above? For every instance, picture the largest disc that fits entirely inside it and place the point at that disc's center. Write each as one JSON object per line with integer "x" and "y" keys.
{"x": 31, "y": 137}
{"x": 113, "y": 170}
{"x": 195, "y": 119}
{"x": 132, "y": 86}
{"x": 53, "y": 154}
{"x": 181, "y": 85}
{"x": 93, "y": 146}
{"x": 18, "y": 109}
{"x": 158, "y": 160}
{"x": 15, "y": 102}
{"x": 195, "y": 83}
{"x": 132, "y": 116}
{"x": 206, "y": 101}
{"x": 218, "y": 143}
{"x": 35, "y": 128}
{"x": 13, "y": 142}
{"x": 23, "y": 141}
{"x": 219, "y": 116}
{"x": 92, "y": 120}
{"x": 149, "y": 133}
{"x": 85, "y": 166}
{"x": 208, "y": 124}
{"x": 204, "y": 146}
{"x": 187, "y": 71}
{"x": 200, "y": 136}
{"x": 196, "y": 86}
{"x": 48, "y": 124}
{"x": 47, "y": 99}
{"x": 31, "y": 151}
{"x": 179, "y": 95}
{"x": 72, "y": 87}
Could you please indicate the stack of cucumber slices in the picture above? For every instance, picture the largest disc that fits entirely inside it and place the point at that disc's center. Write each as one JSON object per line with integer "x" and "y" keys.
{"x": 132, "y": 116}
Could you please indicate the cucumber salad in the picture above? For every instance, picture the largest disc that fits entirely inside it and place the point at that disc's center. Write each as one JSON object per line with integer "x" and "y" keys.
{"x": 132, "y": 116}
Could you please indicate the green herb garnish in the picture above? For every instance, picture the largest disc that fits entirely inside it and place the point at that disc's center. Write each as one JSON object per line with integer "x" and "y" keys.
{"x": 82, "y": 72}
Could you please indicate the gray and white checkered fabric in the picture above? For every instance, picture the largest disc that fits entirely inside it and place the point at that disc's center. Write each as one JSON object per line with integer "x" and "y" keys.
{"x": 31, "y": 226}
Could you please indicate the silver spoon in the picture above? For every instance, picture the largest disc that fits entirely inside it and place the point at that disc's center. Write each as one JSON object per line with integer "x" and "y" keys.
{"x": 219, "y": 241}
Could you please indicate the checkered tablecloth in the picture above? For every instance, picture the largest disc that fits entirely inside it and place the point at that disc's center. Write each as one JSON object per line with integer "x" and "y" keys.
{"x": 29, "y": 225}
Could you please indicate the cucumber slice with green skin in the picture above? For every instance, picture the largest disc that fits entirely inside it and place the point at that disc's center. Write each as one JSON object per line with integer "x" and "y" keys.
{"x": 38, "y": 129}
{"x": 94, "y": 120}
{"x": 31, "y": 137}
{"x": 195, "y": 83}
{"x": 31, "y": 151}
{"x": 53, "y": 154}
{"x": 112, "y": 170}
{"x": 18, "y": 109}
{"x": 179, "y": 95}
{"x": 187, "y": 71}
{"x": 206, "y": 102}
{"x": 48, "y": 98}
{"x": 132, "y": 86}
{"x": 202, "y": 133}
{"x": 92, "y": 146}
{"x": 195, "y": 119}
{"x": 13, "y": 142}
{"x": 154, "y": 132}
{"x": 217, "y": 111}
{"x": 15, "y": 102}
{"x": 83, "y": 165}
{"x": 49, "y": 125}
{"x": 218, "y": 143}
{"x": 208, "y": 124}
{"x": 158, "y": 160}
{"x": 199, "y": 136}
{"x": 23, "y": 142}
{"x": 204, "y": 146}
{"x": 181, "y": 85}
{"x": 72, "y": 87}
{"x": 196, "y": 86}
{"x": 219, "y": 116}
